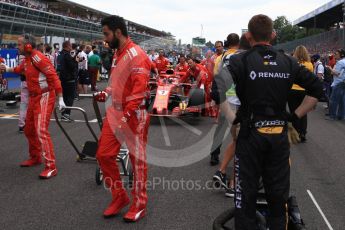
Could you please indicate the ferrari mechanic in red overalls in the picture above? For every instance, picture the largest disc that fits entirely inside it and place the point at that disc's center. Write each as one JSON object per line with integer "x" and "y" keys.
{"x": 126, "y": 119}
{"x": 43, "y": 85}
{"x": 201, "y": 76}
{"x": 161, "y": 63}
{"x": 182, "y": 66}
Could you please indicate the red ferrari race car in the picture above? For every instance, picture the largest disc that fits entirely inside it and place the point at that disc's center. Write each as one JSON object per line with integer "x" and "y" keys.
{"x": 170, "y": 97}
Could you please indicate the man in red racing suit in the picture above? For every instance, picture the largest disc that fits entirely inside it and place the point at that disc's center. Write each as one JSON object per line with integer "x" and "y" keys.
{"x": 182, "y": 66}
{"x": 208, "y": 62}
{"x": 201, "y": 76}
{"x": 126, "y": 120}
{"x": 161, "y": 63}
{"x": 43, "y": 84}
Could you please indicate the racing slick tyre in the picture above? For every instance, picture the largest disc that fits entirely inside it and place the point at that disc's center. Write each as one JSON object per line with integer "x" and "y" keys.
{"x": 99, "y": 176}
{"x": 222, "y": 219}
{"x": 197, "y": 97}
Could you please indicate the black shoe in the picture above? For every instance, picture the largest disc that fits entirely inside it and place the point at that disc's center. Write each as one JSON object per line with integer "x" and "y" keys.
{"x": 220, "y": 180}
{"x": 66, "y": 118}
{"x": 302, "y": 138}
{"x": 230, "y": 192}
{"x": 214, "y": 160}
{"x": 215, "y": 156}
{"x": 216, "y": 151}
{"x": 21, "y": 129}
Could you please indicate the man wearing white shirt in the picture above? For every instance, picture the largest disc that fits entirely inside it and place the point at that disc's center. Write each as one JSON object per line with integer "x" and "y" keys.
{"x": 152, "y": 55}
{"x": 319, "y": 69}
{"x": 84, "y": 79}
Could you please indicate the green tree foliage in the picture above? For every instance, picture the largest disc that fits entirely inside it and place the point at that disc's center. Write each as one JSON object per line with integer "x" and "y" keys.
{"x": 287, "y": 32}
{"x": 209, "y": 44}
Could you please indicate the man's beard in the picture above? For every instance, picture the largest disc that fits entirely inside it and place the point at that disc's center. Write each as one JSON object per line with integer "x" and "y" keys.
{"x": 114, "y": 44}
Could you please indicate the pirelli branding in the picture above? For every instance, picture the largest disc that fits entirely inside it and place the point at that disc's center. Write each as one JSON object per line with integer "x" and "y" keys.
{"x": 253, "y": 75}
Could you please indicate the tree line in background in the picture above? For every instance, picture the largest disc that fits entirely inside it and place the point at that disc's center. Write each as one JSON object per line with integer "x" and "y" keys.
{"x": 287, "y": 32}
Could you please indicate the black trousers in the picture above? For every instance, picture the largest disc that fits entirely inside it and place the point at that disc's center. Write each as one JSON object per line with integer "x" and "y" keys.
{"x": 68, "y": 91}
{"x": 267, "y": 156}
{"x": 76, "y": 94}
{"x": 295, "y": 99}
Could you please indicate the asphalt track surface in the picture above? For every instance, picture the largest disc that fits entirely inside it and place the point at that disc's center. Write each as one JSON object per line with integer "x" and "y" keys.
{"x": 72, "y": 200}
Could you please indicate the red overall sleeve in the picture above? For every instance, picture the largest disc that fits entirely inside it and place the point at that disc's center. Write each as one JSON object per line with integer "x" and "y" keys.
{"x": 139, "y": 76}
{"x": 184, "y": 77}
{"x": 19, "y": 69}
{"x": 46, "y": 67}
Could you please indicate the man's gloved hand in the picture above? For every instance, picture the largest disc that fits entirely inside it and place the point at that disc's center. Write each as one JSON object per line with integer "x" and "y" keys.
{"x": 293, "y": 135}
{"x": 127, "y": 115}
{"x": 61, "y": 104}
{"x": 101, "y": 96}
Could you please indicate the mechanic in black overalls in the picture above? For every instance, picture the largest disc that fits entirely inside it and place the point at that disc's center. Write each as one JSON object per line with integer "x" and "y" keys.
{"x": 263, "y": 79}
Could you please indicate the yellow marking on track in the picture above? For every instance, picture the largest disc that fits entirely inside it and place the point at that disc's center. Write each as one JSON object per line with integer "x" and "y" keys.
{"x": 8, "y": 115}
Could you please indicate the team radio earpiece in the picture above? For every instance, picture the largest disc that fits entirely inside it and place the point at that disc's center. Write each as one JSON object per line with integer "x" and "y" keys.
{"x": 27, "y": 46}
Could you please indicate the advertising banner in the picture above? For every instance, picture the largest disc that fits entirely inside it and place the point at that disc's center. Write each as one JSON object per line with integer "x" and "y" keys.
{"x": 11, "y": 60}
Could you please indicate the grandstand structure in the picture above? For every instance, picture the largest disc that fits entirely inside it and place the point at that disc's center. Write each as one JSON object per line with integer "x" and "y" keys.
{"x": 329, "y": 17}
{"x": 66, "y": 19}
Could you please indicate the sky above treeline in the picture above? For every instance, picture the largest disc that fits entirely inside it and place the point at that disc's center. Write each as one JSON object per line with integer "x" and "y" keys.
{"x": 214, "y": 20}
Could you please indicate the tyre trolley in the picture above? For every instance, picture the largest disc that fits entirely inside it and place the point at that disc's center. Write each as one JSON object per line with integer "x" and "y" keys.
{"x": 89, "y": 149}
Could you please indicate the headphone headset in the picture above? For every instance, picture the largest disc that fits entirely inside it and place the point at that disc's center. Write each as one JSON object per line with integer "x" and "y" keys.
{"x": 28, "y": 47}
